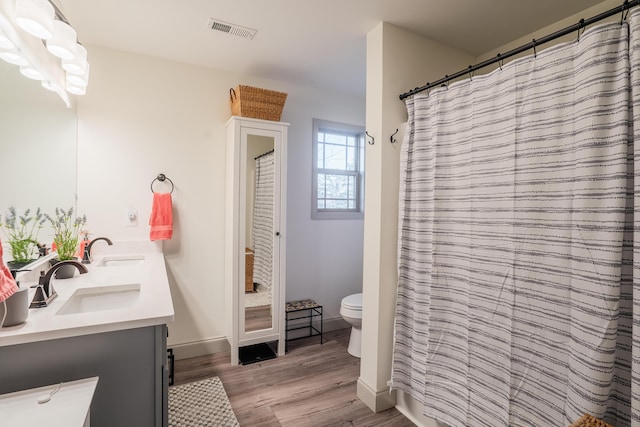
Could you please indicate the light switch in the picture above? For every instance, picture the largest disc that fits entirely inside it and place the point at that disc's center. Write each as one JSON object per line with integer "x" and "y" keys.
{"x": 132, "y": 218}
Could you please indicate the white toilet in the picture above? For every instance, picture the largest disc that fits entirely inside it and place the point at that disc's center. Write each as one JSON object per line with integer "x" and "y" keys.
{"x": 351, "y": 311}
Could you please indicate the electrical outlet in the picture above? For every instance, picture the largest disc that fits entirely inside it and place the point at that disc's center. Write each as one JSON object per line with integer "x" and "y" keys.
{"x": 132, "y": 218}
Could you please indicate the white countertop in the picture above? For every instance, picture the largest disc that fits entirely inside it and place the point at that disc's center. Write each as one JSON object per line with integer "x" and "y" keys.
{"x": 68, "y": 407}
{"x": 153, "y": 307}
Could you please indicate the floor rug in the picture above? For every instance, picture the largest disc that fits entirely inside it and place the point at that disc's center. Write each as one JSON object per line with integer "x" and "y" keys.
{"x": 261, "y": 296}
{"x": 200, "y": 404}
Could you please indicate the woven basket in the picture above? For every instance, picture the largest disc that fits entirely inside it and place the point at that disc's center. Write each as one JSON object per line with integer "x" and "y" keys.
{"x": 249, "y": 101}
{"x": 588, "y": 421}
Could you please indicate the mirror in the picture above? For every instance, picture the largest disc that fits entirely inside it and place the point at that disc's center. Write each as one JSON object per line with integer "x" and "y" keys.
{"x": 38, "y": 136}
{"x": 260, "y": 192}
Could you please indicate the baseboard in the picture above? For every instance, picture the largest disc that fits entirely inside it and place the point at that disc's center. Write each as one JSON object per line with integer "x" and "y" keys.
{"x": 200, "y": 348}
{"x": 219, "y": 345}
{"x": 376, "y": 401}
{"x": 335, "y": 324}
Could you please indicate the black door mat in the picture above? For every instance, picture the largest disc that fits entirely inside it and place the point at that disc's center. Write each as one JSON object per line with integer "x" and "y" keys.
{"x": 255, "y": 353}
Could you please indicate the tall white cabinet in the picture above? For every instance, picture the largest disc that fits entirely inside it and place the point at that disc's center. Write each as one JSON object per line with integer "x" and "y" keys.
{"x": 255, "y": 235}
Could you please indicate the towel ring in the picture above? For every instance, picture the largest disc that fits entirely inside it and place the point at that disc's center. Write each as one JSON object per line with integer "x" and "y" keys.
{"x": 162, "y": 177}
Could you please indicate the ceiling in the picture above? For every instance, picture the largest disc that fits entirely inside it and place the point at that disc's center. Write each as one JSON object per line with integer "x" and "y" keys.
{"x": 319, "y": 43}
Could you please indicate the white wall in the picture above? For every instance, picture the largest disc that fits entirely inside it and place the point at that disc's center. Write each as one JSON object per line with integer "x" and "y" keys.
{"x": 142, "y": 116}
{"x": 397, "y": 60}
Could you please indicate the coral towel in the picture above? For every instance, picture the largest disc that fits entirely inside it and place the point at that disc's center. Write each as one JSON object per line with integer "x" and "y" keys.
{"x": 161, "y": 220}
{"x": 8, "y": 285}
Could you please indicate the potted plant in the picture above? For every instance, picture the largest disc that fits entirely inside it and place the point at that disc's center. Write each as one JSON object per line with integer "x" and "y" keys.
{"x": 66, "y": 231}
{"x": 21, "y": 232}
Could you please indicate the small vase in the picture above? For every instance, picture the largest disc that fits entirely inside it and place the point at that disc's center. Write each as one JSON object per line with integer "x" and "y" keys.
{"x": 15, "y": 267}
{"x": 17, "y": 308}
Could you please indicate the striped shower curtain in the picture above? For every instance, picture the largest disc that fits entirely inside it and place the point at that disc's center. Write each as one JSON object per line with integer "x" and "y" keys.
{"x": 519, "y": 299}
{"x": 263, "y": 220}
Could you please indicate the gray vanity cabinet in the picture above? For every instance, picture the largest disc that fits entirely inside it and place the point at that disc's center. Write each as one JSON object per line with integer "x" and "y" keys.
{"x": 132, "y": 365}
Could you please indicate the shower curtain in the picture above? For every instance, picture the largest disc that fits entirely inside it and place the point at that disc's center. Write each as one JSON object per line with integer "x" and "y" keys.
{"x": 518, "y": 299}
{"x": 263, "y": 220}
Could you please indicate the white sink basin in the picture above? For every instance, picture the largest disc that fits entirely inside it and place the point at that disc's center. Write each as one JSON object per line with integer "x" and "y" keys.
{"x": 121, "y": 261}
{"x": 101, "y": 298}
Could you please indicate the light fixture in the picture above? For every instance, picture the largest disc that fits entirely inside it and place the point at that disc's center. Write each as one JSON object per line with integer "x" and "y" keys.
{"x": 30, "y": 72}
{"x": 75, "y": 89}
{"x": 77, "y": 65}
{"x": 48, "y": 84}
{"x": 78, "y": 79}
{"x": 5, "y": 42}
{"x": 35, "y": 17}
{"x": 13, "y": 56}
{"x": 63, "y": 43}
{"x": 35, "y": 35}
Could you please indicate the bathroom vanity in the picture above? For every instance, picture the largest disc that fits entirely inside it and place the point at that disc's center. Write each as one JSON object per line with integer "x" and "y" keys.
{"x": 110, "y": 323}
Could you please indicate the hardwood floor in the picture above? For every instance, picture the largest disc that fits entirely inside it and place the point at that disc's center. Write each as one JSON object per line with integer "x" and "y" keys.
{"x": 256, "y": 318}
{"x": 313, "y": 385}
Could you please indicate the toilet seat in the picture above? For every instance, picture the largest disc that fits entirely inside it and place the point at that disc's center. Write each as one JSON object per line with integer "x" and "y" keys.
{"x": 353, "y": 302}
{"x": 351, "y": 312}
{"x": 352, "y": 305}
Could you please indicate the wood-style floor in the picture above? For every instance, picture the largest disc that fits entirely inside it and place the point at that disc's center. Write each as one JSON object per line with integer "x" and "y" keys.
{"x": 313, "y": 385}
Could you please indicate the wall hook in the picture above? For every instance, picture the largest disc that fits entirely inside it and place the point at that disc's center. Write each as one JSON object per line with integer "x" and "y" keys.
{"x": 373, "y": 140}
{"x": 391, "y": 138}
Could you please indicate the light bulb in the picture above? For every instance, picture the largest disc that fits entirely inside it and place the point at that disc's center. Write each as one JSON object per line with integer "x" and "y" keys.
{"x": 12, "y": 56}
{"x": 78, "y": 80}
{"x": 76, "y": 90}
{"x": 30, "y": 72}
{"x": 77, "y": 65}
{"x": 63, "y": 43}
{"x": 35, "y": 17}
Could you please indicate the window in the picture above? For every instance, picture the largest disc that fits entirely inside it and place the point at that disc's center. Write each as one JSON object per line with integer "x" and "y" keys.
{"x": 338, "y": 170}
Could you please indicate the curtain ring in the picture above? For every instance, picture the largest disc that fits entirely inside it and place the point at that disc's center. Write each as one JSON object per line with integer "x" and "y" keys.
{"x": 625, "y": 6}
{"x": 470, "y": 73}
{"x": 581, "y": 27}
{"x": 535, "y": 53}
{"x": 446, "y": 81}
{"x": 500, "y": 61}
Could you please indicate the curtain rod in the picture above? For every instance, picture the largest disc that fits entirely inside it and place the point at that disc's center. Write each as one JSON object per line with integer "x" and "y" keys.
{"x": 532, "y": 45}
{"x": 263, "y": 154}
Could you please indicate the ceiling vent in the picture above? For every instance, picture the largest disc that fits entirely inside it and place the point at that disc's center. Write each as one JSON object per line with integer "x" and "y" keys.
{"x": 233, "y": 29}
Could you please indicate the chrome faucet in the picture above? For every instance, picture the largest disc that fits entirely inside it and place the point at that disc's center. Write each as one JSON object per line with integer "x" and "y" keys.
{"x": 45, "y": 292}
{"x": 86, "y": 257}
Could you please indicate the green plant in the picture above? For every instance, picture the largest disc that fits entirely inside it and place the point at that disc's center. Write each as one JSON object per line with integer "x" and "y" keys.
{"x": 22, "y": 233}
{"x": 66, "y": 230}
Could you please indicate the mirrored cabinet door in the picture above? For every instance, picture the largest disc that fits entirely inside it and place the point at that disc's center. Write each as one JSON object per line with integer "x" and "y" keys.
{"x": 255, "y": 234}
